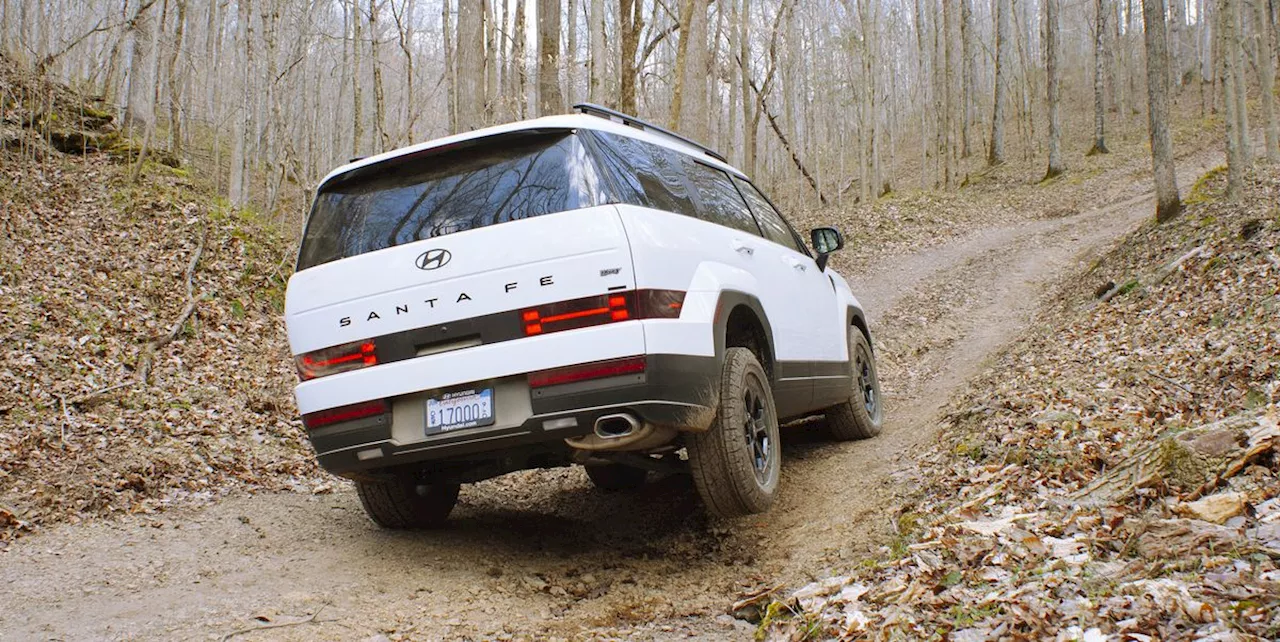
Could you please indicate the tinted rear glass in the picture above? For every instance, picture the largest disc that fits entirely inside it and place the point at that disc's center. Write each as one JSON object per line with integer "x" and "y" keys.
{"x": 648, "y": 175}
{"x": 498, "y": 180}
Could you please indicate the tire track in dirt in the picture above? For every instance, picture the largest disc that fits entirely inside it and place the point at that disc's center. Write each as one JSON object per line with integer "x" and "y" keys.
{"x": 542, "y": 554}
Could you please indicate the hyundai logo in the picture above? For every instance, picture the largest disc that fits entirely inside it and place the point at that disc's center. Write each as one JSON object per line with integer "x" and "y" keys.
{"x": 433, "y": 259}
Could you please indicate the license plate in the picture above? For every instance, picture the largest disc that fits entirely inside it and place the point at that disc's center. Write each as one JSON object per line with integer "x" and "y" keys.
{"x": 460, "y": 409}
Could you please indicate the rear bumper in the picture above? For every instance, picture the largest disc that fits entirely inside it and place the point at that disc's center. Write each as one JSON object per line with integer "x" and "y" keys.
{"x": 675, "y": 390}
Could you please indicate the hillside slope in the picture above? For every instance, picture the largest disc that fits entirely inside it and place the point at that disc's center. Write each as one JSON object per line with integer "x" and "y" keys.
{"x": 1115, "y": 472}
{"x": 113, "y": 398}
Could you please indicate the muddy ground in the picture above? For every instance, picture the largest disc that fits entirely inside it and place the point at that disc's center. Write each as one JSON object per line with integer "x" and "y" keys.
{"x": 543, "y": 554}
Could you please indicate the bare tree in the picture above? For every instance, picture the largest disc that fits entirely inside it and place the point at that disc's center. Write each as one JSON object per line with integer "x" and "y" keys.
{"x": 1099, "y": 105}
{"x": 689, "y": 96}
{"x": 1265, "y": 62}
{"x": 596, "y": 28}
{"x": 995, "y": 155}
{"x": 550, "y": 98}
{"x": 1237, "y": 135}
{"x": 470, "y": 60}
{"x": 1168, "y": 200}
{"x": 1053, "y": 75}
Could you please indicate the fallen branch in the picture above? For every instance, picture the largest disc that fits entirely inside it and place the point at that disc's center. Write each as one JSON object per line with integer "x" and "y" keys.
{"x": 144, "y": 368}
{"x": 274, "y": 625}
{"x": 1169, "y": 269}
{"x": 786, "y": 144}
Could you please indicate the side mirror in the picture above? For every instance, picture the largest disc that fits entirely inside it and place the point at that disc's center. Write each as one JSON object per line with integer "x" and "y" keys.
{"x": 825, "y": 241}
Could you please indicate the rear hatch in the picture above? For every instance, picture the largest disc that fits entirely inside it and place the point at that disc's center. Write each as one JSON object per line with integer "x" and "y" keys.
{"x": 476, "y": 231}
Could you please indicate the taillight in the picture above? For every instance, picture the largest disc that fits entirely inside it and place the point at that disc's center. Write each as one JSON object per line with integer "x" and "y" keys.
{"x": 330, "y": 361}
{"x": 599, "y": 310}
{"x": 659, "y": 304}
{"x": 345, "y": 413}
{"x": 583, "y": 372}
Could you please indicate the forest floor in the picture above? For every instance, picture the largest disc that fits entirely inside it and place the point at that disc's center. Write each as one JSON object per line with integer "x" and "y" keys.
{"x": 217, "y": 526}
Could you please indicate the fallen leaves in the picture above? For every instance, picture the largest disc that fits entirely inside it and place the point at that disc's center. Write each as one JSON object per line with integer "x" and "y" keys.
{"x": 102, "y": 280}
{"x": 1115, "y": 476}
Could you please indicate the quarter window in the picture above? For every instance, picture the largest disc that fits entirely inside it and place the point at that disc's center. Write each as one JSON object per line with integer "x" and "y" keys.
{"x": 720, "y": 202}
{"x": 771, "y": 222}
{"x": 648, "y": 175}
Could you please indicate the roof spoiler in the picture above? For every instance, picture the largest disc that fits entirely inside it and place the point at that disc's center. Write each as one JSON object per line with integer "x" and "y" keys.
{"x": 626, "y": 119}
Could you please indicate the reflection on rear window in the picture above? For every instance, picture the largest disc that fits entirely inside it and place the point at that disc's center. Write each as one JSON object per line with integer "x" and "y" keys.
{"x": 503, "y": 179}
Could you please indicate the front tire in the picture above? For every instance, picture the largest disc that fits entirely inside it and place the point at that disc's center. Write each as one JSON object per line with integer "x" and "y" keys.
{"x": 737, "y": 461}
{"x": 402, "y": 502}
{"x": 862, "y": 415}
{"x": 616, "y": 477}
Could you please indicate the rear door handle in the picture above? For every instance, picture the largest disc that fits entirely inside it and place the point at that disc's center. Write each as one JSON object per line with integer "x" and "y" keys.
{"x": 743, "y": 248}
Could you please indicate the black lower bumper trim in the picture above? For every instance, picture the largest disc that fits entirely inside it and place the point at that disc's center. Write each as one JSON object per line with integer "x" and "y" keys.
{"x": 675, "y": 390}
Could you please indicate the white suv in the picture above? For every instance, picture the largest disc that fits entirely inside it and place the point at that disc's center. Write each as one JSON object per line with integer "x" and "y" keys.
{"x": 587, "y": 289}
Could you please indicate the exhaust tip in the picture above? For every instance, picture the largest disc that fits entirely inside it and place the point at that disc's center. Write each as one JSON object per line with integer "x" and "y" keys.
{"x": 615, "y": 426}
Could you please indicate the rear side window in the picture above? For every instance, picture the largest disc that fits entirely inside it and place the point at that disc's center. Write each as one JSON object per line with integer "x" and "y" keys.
{"x": 648, "y": 175}
{"x": 721, "y": 203}
{"x": 771, "y": 222}
{"x": 497, "y": 180}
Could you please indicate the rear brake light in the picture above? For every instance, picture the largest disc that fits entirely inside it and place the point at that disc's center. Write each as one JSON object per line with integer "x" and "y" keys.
{"x": 330, "y": 361}
{"x": 345, "y": 413}
{"x": 583, "y": 372}
{"x": 599, "y": 310}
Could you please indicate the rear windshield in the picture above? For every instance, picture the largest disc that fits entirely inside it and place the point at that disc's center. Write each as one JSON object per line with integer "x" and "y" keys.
{"x": 500, "y": 179}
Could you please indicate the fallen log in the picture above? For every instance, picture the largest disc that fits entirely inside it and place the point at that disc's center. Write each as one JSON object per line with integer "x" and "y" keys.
{"x": 1197, "y": 460}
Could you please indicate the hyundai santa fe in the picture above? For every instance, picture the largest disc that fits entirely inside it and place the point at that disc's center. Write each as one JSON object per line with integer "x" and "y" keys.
{"x": 585, "y": 289}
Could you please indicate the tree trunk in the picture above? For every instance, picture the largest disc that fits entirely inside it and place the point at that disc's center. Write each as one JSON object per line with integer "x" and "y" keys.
{"x": 596, "y": 89}
{"x": 630, "y": 24}
{"x": 175, "y": 83}
{"x": 470, "y": 59}
{"x": 969, "y": 77}
{"x": 682, "y": 60}
{"x": 749, "y": 119}
{"x": 995, "y": 155}
{"x": 357, "y": 83}
{"x": 1236, "y": 159}
{"x": 520, "y": 70}
{"x": 1099, "y": 107}
{"x": 379, "y": 93}
{"x": 550, "y": 98}
{"x": 1242, "y": 87}
{"x": 138, "y": 110}
{"x": 689, "y": 99}
{"x": 1168, "y": 201}
{"x": 948, "y": 150}
{"x": 571, "y": 49}
{"x": 1267, "y": 77}
{"x": 1054, "y": 82}
{"x": 1177, "y": 54}
{"x": 450, "y": 66}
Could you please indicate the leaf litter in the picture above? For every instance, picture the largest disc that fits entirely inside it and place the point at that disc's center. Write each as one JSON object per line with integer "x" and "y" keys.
{"x": 1114, "y": 474}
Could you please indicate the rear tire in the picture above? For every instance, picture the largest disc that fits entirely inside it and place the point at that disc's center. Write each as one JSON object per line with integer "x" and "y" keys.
{"x": 617, "y": 477}
{"x": 737, "y": 461}
{"x": 862, "y": 416}
{"x": 404, "y": 503}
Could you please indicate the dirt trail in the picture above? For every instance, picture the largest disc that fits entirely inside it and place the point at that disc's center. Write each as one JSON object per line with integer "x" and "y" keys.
{"x": 543, "y": 554}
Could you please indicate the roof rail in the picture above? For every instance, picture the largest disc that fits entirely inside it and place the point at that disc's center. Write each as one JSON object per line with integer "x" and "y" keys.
{"x": 604, "y": 112}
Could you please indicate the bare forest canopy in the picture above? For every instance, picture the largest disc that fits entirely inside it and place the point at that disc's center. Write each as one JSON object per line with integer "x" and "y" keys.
{"x": 836, "y": 100}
